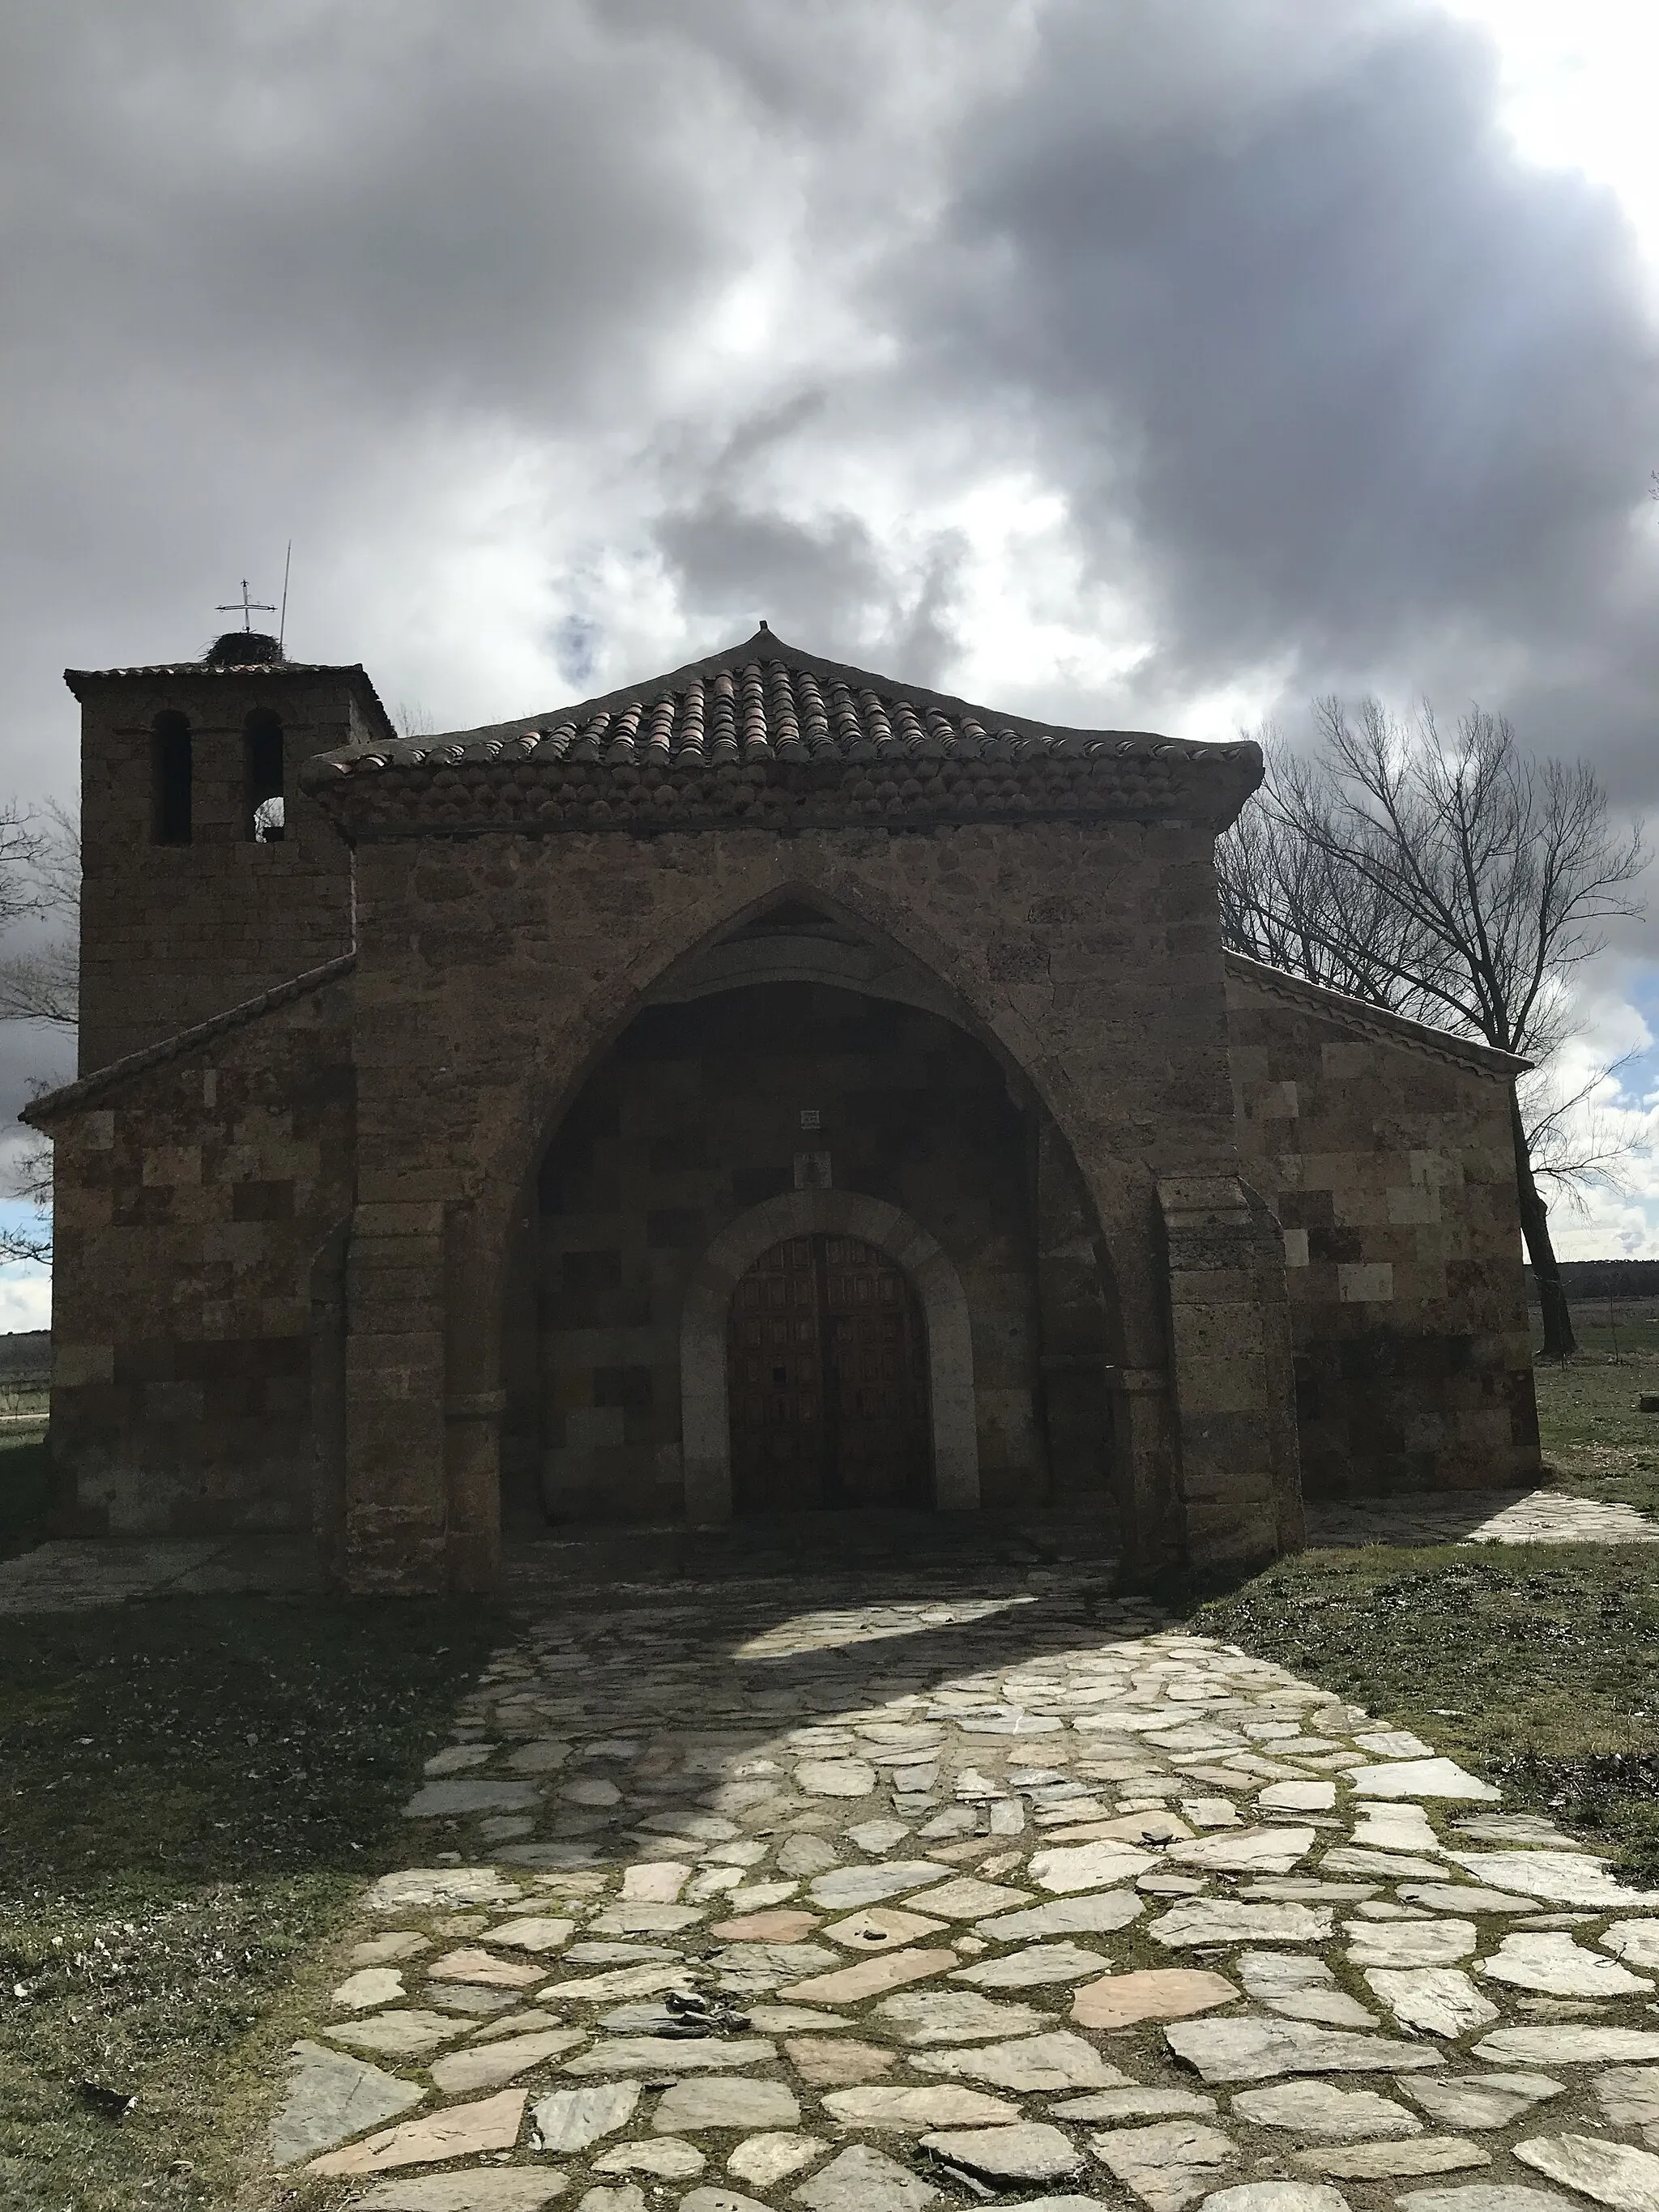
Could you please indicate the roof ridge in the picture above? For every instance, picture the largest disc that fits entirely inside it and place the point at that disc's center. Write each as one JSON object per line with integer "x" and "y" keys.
{"x": 352, "y": 672}
{"x": 767, "y": 646}
{"x": 68, "y": 1096}
{"x": 1361, "y": 1014}
{"x": 765, "y": 732}
{"x": 218, "y": 668}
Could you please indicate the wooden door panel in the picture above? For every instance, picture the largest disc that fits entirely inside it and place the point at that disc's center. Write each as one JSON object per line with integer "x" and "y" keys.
{"x": 877, "y": 1379}
{"x": 828, "y": 1380}
{"x": 776, "y": 1383}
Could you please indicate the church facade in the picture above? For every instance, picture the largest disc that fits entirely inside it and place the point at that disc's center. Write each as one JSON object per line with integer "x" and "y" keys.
{"x": 769, "y": 1088}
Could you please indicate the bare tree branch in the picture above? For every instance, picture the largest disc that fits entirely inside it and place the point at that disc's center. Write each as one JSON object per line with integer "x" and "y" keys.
{"x": 42, "y": 987}
{"x": 1578, "y": 1140}
{"x": 45, "y": 985}
{"x": 31, "y": 1178}
{"x": 40, "y": 875}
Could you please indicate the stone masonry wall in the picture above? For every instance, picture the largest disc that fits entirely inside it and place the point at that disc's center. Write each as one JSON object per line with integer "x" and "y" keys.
{"x": 191, "y": 1199}
{"x": 172, "y": 934}
{"x": 694, "y": 1118}
{"x": 1390, "y": 1167}
{"x": 496, "y": 971}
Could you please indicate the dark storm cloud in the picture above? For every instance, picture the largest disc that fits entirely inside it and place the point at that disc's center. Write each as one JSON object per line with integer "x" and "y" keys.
{"x": 397, "y": 197}
{"x": 1327, "y": 380}
{"x": 829, "y": 580}
{"x": 724, "y": 306}
{"x": 828, "y": 583}
{"x": 264, "y": 261}
{"x": 1370, "y": 395}
{"x": 272, "y": 267}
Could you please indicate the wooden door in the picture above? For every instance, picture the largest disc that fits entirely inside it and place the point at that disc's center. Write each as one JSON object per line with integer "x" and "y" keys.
{"x": 876, "y": 1405}
{"x": 775, "y": 1378}
{"x": 827, "y": 1376}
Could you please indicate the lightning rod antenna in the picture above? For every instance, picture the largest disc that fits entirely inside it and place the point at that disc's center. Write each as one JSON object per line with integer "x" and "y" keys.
{"x": 282, "y": 620}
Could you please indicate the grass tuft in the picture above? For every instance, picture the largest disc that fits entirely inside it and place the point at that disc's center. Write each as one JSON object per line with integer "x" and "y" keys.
{"x": 1537, "y": 1665}
{"x": 190, "y": 1790}
{"x": 24, "y": 1479}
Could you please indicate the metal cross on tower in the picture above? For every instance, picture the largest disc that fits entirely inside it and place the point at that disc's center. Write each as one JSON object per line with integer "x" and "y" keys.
{"x": 245, "y": 607}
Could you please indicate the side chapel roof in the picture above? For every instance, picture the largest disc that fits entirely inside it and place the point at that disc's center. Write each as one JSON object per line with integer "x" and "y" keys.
{"x": 88, "y": 1089}
{"x": 1347, "y": 1014}
{"x": 1376, "y": 1023}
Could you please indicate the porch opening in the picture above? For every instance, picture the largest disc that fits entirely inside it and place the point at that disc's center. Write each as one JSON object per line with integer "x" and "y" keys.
{"x": 803, "y": 1242}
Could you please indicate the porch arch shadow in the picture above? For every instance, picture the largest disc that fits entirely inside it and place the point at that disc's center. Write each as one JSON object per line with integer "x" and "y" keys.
{"x": 705, "y": 1421}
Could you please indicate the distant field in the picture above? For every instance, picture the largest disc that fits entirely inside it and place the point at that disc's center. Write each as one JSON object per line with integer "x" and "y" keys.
{"x": 25, "y": 1358}
{"x": 1611, "y": 1327}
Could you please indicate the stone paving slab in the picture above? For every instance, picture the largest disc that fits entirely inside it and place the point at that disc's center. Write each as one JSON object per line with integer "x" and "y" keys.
{"x": 1216, "y": 2029}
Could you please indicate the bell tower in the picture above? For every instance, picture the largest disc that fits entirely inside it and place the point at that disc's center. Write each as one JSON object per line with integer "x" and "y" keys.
{"x": 208, "y": 875}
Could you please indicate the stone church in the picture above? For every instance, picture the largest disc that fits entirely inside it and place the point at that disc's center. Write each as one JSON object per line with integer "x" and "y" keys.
{"x": 770, "y": 1088}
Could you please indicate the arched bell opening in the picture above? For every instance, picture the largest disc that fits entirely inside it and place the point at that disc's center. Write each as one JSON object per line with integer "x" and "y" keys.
{"x": 799, "y": 1084}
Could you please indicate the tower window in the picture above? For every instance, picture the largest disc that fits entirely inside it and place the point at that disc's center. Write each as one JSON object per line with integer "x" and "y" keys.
{"x": 170, "y": 779}
{"x": 263, "y": 798}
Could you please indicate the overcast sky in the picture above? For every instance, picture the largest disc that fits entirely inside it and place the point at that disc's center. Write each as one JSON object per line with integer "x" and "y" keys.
{"x": 1156, "y": 362}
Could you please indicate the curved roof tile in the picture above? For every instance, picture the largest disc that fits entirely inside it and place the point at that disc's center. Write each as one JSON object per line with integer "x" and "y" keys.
{"x": 804, "y": 734}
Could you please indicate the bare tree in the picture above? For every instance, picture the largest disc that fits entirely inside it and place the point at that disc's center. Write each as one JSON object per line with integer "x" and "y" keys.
{"x": 1287, "y": 901}
{"x": 40, "y": 873}
{"x": 1576, "y": 1140}
{"x": 45, "y": 985}
{"x": 1453, "y": 879}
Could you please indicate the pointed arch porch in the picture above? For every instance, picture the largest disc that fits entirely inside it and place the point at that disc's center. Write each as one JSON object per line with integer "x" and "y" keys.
{"x": 575, "y": 1038}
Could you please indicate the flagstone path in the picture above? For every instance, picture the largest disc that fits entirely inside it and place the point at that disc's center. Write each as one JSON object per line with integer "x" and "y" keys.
{"x": 885, "y": 1893}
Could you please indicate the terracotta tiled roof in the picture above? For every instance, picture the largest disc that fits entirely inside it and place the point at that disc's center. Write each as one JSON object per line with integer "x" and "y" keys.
{"x": 351, "y": 674}
{"x": 798, "y": 735}
{"x": 266, "y": 668}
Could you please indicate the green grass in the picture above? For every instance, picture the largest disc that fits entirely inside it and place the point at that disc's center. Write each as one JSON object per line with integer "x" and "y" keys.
{"x": 189, "y": 1790}
{"x": 1595, "y": 1441}
{"x": 23, "y": 1475}
{"x": 1536, "y": 1665}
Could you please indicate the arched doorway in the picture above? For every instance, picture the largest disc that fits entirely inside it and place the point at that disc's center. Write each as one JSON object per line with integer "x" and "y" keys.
{"x": 827, "y": 1380}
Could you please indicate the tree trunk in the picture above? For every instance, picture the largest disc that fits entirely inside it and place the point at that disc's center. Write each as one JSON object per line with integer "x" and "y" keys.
{"x": 1559, "y": 1339}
